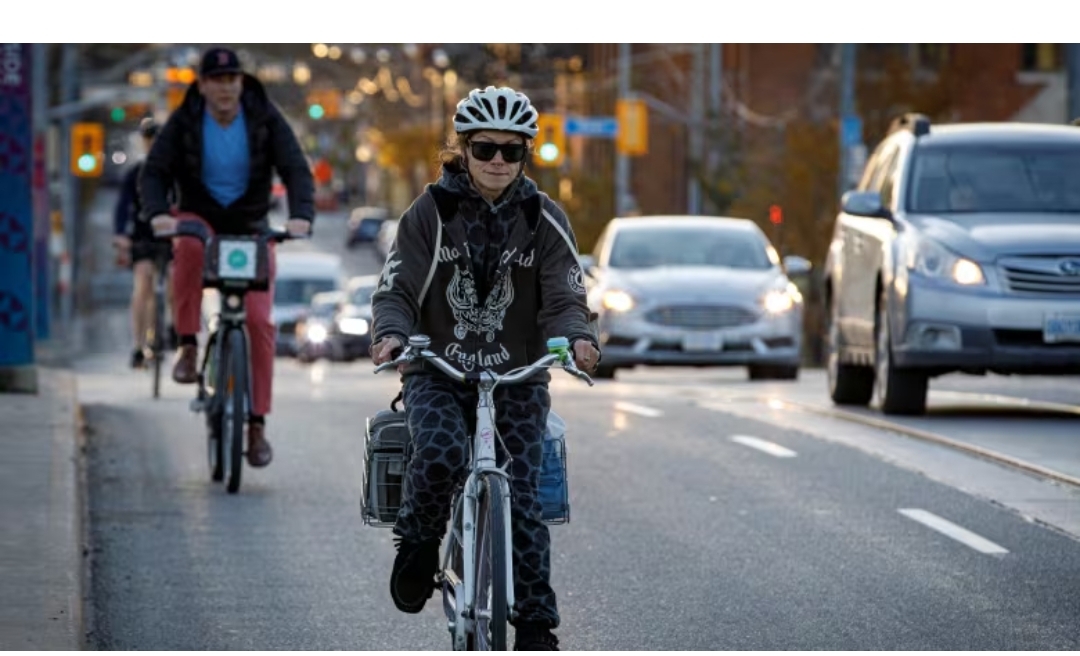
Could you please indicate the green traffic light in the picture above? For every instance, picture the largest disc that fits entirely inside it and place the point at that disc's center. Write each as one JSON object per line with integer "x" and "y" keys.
{"x": 87, "y": 162}
{"x": 316, "y": 111}
{"x": 118, "y": 114}
{"x": 549, "y": 152}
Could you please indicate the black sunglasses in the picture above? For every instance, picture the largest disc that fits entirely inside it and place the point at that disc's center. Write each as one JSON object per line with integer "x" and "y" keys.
{"x": 485, "y": 151}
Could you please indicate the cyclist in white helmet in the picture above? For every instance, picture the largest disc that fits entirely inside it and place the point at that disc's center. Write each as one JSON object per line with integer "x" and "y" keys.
{"x": 503, "y": 278}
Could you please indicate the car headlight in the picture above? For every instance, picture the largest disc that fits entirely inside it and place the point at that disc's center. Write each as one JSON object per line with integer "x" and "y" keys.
{"x": 778, "y": 301}
{"x": 353, "y": 326}
{"x": 618, "y": 301}
{"x": 933, "y": 260}
{"x": 316, "y": 333}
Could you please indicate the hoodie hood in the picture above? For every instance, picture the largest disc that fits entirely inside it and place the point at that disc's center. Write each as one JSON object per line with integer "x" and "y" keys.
{"x": 455, "y": 179}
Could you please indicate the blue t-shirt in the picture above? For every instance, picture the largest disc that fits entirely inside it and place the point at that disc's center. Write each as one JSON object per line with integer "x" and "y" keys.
{"x": 226, "y": 159}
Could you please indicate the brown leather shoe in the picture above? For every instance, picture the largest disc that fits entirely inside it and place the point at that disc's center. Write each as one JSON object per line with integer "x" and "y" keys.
{"x": 259, "y": 453}
{"x": 186, "y": 368}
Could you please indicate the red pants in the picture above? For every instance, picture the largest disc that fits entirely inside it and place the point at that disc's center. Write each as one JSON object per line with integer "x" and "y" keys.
{"x": 187, "y": 303}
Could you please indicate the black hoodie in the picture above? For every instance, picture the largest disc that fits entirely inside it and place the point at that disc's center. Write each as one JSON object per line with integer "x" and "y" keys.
{"x": 177, "y": 153}
{"x": 483, "y": 310}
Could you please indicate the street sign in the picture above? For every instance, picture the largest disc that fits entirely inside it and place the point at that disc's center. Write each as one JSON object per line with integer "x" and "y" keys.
{"x": 591, "y": 126}
{"x": 850, "y": 131}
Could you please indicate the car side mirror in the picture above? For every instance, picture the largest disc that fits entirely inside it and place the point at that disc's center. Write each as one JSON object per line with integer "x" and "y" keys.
{"x": 796, "y": 265}
{"x": 864, "y": 203}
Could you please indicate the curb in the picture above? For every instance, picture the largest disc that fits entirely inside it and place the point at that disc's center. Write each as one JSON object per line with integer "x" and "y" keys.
{"x": 941, "y": 440}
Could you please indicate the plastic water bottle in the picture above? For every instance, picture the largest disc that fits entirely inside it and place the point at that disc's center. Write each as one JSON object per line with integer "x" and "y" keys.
{"x": 554, "y": 497}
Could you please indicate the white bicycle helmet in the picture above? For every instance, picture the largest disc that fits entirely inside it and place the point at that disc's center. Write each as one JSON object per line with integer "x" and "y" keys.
{"x": 496, "y": 109}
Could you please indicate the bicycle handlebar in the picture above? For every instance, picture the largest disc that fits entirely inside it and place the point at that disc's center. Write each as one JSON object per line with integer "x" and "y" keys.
{"x": 558, "y": 352}
{"x": 197, "y": 230}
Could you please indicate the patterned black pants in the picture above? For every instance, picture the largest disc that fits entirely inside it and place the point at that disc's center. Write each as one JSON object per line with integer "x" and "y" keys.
{"x": 441, "y": 415}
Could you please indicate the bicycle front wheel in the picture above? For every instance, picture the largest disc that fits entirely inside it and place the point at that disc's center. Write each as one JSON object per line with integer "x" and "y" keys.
{"x": 491, "y": 566}
{"x": 234, "y": 410}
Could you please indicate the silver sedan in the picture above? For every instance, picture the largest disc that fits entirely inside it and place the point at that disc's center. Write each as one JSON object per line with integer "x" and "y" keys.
{"x": 693, "y": 290}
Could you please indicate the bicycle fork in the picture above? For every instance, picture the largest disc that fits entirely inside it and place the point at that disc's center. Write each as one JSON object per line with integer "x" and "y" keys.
{"x": 460, "y": 604}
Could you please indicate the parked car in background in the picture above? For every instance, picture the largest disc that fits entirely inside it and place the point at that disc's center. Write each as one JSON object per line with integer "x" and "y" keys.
{"x": 694, "y": 290}
{"x": 364, "y": 224}
{"x": 959, "y": 251}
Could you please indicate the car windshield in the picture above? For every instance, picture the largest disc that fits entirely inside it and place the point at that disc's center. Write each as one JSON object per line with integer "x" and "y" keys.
{"x": 996, "y": 178}
{"x": 298, "y": 291}
{"x": 362, "y": 295}
{"x": 688, "y": 246}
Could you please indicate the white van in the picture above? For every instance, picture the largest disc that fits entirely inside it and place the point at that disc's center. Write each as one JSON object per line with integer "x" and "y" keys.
{"x": 301, "y": 275}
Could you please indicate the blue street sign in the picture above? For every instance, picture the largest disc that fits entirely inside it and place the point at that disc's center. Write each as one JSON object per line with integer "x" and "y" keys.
{"x": 591, "y": 126}
{"x": 850, "y": 131}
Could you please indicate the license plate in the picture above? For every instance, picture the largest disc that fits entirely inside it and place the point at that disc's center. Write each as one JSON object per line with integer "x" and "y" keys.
{"x": 1061, "y": 327}
{"x": 698, "y": 342}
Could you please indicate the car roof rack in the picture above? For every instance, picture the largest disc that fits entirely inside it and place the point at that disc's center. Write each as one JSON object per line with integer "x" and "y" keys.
{"x": 917, "y": 124}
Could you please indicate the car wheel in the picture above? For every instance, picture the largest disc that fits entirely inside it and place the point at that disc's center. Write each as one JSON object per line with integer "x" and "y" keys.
{"x": 896, "y": 391}
{"x": 849, "y": 384}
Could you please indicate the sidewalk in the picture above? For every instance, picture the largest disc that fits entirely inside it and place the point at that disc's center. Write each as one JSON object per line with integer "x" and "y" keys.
{"x": 41, "y": 510}
{"x": 44, "y": 580}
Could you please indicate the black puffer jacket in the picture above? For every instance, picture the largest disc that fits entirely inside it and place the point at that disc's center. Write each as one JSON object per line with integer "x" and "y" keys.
{"x": 177, "y": 156}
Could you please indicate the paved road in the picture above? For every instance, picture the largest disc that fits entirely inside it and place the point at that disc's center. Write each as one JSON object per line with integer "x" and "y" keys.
{"x": 703, "y": 518}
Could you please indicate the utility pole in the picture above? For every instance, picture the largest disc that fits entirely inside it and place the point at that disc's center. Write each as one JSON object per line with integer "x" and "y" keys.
{"x": 847, "y": 112}
{"x": 716, "y": 86}
{"x": 622, "y": 161}
{"x": 1072, "y": 68}
{"x": 697, "y": 132}
{"x": 69, "y": 90}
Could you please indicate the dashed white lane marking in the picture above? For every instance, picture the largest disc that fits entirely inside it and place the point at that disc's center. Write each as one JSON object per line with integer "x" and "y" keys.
{"x": 636, "y": 409}
{"x": 762, "y": 445}
{"x": 958, "y": 533}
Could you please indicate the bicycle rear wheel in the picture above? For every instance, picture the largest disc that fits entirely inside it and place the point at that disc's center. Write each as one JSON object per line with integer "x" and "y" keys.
{"x": 234, "y": 407}
{"x": 491, "y": 567}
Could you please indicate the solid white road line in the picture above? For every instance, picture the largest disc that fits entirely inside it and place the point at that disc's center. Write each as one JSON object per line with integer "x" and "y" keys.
{"x": 958, "y": 533}
{"x": 761, "y": 445}
{"x": 633, "y": 408}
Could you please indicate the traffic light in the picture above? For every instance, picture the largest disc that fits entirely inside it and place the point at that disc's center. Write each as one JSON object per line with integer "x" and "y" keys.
{"x": 118, "y": 114}
{"x": 549, "y": 148}
{"x": 87, "y": 149}
{"x": 323, "y": 103}
{"x": 316, "y": 111}
{"x": 776, "y": 215}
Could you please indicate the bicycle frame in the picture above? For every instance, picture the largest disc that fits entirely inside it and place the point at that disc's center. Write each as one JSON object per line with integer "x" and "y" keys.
{"x": 459, "y": 594}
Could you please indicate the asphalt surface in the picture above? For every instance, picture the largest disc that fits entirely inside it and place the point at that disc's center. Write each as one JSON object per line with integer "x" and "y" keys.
{"x": 703, "y": 517}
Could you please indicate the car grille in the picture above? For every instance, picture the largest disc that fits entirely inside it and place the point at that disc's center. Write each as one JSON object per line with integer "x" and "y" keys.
{"x": 287, "y": 328}
{"x": 700, "y": 316}
{"x": 1043, "y": 275}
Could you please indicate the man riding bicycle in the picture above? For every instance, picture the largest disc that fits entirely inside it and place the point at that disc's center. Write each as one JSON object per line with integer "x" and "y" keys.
{"x": 135, "y": 247}
{"x": 504, "y": 277}
{"x": 221, "y": 147}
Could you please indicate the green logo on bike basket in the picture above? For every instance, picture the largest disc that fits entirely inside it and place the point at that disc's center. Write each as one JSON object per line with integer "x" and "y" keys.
{"x": 237, "y": 259}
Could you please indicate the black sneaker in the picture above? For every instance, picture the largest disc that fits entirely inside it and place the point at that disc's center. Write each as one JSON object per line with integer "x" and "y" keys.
{"x": 138, "y": 359}
{"x": 412, "y": 582}
{"x": 534, "y": 637}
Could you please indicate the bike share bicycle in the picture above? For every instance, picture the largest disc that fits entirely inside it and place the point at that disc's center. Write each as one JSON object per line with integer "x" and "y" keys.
{"x": 477, "y": 571}
{"x": 234, "y": 265}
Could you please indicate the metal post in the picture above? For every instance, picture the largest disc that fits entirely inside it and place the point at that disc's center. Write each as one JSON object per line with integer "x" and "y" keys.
{"x": 847, "y": 108}
{"x": 697, "y": 134}
{"x": 622, "y": 161}
{"x": 716, "y": 89}
{"x": 1072, "y": 68}
{"x": 39, "y": 97}
{"x": 69, "y": 80}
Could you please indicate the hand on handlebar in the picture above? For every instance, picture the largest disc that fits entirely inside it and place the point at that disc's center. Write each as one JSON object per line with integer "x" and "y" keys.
{"x": 586, "y": 357}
